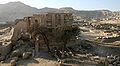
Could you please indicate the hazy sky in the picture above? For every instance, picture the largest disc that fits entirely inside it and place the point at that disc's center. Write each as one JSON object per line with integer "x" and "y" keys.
{"x": 76, "y": 4}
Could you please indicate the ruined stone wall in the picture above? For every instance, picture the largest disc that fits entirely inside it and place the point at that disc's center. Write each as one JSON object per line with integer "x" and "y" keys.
{"x": 49, "y": 20}
{"x": 19, "y": 28}
{"x": 53, "y": 19}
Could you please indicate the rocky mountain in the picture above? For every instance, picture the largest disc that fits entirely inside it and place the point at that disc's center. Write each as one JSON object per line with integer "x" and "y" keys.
{"x": 46, "y": 9}
{"x": 88, "y": 14}
{"x": 13, "y": 10}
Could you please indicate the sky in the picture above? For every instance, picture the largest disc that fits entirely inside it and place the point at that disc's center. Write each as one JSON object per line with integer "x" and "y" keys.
{"x": 113, "y": 5}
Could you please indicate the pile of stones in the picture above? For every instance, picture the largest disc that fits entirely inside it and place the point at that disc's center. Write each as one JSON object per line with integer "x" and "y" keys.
{"x": 60, "y": 54}
{"x": 112, "y": 61}
{"x": 21, "y": 50}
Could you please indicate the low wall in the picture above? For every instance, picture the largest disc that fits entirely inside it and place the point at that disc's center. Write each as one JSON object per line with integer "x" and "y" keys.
{"x": 100, "y": 49}
{"x": 112, "y": 39}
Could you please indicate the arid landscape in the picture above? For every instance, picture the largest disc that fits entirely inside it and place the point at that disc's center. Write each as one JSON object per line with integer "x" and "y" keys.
{"x": 31, "y": 36}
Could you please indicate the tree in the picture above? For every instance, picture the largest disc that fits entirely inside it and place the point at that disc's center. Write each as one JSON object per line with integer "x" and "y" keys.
{"x": 65, "y": 33}
{"x": 38, "y": 31}
{"x": 62, "y": 34}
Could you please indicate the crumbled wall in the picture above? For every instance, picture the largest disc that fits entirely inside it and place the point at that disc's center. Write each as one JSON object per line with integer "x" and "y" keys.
{"x": 20, "y": 27}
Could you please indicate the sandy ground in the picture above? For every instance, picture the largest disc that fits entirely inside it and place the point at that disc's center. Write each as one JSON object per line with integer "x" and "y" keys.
{"x": 34, "y": 62}
{"x": 45, "y": 59}
{"x": 38, "y": 62}
{"x": 46, "y": 62}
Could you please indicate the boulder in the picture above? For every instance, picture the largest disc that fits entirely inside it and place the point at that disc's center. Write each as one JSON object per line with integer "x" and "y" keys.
{"x": 26, "y": 55}
{"x": 15, "y": 58}
{"x": 111, "y": 60}
{"x": 89, "y": 55}
{"x": 96, "y": 57}
{"x": 2, "y": 58}
{"x": 21, "y": 42}
{"x": 16, "y": 53}
{"x": 13, "y": 63}
{"x": 110, "y": 65}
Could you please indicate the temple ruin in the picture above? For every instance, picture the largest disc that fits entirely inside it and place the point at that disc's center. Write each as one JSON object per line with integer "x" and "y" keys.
{"x": 49, "y": 20}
